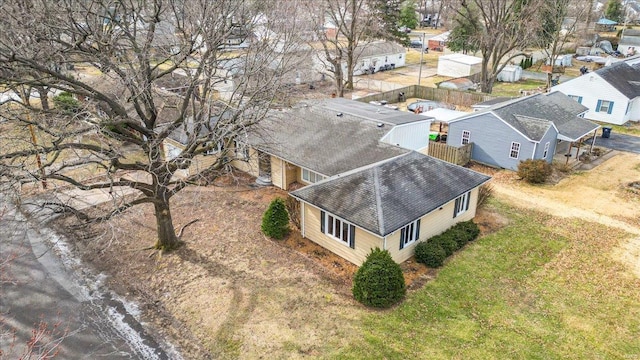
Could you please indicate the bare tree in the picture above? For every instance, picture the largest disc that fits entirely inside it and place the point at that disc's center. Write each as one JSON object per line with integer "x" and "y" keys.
{"x": 503, "y": 28}
{"x": 117, "y": 118}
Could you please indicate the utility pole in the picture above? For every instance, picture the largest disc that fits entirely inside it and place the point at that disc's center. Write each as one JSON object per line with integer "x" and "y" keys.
{"x": 421, "y": 57}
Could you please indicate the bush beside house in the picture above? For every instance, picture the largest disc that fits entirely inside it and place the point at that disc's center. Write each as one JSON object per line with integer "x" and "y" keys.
{"x": 379, "y": 281}
{"x": 534, "y": 171}
{"x": 434, "y": 251}
{"x": 275, "y": 221}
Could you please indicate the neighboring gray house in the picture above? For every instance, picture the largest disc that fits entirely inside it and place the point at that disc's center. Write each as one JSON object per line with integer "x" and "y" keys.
{"x": 533, "y": 127}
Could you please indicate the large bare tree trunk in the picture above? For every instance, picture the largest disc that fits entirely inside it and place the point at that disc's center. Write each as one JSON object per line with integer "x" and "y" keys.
{"x": 167, "y": 239}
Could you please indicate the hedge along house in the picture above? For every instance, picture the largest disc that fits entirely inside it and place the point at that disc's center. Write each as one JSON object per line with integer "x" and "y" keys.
{"x": 532, "y": 127}
{"x": 392, "y": 205}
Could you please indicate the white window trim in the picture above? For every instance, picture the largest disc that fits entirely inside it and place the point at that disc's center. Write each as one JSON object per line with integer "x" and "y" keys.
{"x": 309, "y": 174}
{"x": 602, "y": 106}
{"x": 343, "y": 223}
{"x": 241, "y": 150}
{"x": 515, "y": 148}
{"x": 462, "y": 201}
{"x": 413, "y": 237}
{"x": 466, "y": 135}
{"x": 546, "y": 150}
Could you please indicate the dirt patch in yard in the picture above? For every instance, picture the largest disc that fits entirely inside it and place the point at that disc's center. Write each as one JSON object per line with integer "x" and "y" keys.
{"x": 600, "y": 195}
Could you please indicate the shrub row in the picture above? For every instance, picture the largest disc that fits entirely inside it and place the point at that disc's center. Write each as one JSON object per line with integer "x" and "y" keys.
{"x": 434, "y": 251}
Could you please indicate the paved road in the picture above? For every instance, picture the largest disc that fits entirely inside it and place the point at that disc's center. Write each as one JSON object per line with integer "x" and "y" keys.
{"x": 41, "y": 284}
{"x": 620, "y": 142}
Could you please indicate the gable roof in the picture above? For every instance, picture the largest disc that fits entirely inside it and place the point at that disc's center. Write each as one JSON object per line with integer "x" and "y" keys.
{"x": 388, "y": 195}
{"x": 623, "y": 77}
{"x": 378, "y": 48}
{"x": 462, "y": 58}
{"x": 316, "y": 138}
{"x": 533, "y": 115}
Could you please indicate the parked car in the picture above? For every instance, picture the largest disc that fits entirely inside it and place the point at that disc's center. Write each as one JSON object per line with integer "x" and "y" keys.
{"x": 415, "y": 44}
{"x": 404, "y": 29}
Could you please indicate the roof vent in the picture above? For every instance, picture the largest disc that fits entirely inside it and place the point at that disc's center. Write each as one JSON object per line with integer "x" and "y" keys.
{"x": 380, "y": 125}
{"x": 339, "y": 114}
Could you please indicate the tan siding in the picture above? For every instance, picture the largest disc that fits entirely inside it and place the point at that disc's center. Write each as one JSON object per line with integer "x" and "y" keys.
{"x": 434, "y": 223}
{"x": 365, "y": 241}
{"x": 277, "y": 172}
{"x": 292, "y": 173}
{"x": 251, "y": 166}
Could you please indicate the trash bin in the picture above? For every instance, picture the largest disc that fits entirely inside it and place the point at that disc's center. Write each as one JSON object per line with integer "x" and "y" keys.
{"x": 606, "y": 132}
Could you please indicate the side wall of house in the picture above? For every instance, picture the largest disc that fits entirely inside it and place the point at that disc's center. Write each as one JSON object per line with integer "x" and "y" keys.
{"x": 277, "y": 172}
{"x": 491, "y": 139}
{"x": 452, "y": 68}
{"x": 592, "y": 88}
{"x": 364, "y": 241}
{"x": 434, "y": 223}
{"x": 414, "y": 136}
{"x": 550, "y": 137}
{"x": 249, "y": 165}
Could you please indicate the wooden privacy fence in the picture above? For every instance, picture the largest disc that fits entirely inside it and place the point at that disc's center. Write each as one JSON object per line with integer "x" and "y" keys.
{"x": 455, "y": 155}
{"x": 455, "y": 97}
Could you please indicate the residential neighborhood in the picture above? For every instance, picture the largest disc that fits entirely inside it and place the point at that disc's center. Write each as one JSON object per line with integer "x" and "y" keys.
{"x": 319, "y": 179}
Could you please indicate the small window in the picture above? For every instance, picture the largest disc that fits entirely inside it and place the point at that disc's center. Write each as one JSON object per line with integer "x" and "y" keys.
{"x": 604, "y": 106}
{"x": 311, "y": 177}
{"x": 546, "y": 150}
{"x": 466, "y": 135}
{"x": 515, "y": 150}
{"x": 628, "y": 108}
{"x": 576, "y": 98}
{"x": 338, "y": 229}
{"x": 409, "y": 234}
{"x": 215, "y": 149}
{"x": 462, "y": 204}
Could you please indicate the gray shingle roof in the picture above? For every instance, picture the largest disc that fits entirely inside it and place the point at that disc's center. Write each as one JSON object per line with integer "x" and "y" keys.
{"x": 374, "y": 113}
{"x": 525, "y": 114}
{"x": 387, "y": 196}
{"x": 378, "y": 48}
{"x": 623, "y": 77}
{"x": 316, "y": 138}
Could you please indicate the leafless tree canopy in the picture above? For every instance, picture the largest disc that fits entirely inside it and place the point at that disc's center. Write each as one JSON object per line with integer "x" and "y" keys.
{"x": 126, "y": 76}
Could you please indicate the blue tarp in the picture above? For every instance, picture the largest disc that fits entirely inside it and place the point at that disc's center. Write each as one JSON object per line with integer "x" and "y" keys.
{"x": 604, "y": 21}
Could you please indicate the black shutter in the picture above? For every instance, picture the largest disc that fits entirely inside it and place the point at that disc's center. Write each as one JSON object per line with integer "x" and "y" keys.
{"x": 418, "y": 230}
{"x": 352, "y": 236}
{"x": 322, "y": 221}
{"x": 455, "y": 208}
{"x": 468, "y": 200}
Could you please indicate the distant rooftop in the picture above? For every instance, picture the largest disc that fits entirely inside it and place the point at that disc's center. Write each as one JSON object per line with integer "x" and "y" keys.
{"x": 374, "y": 113}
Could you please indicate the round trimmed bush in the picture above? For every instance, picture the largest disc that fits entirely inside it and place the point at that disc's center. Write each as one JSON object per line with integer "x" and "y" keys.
{"x": 275, "y": 221}
{"x": 459, "y": 235}
{"x": 379, "y": 281}
{"x": 446, "y": 242}
{"x": 430, "y": 254}
{"x": 534, "y": 171}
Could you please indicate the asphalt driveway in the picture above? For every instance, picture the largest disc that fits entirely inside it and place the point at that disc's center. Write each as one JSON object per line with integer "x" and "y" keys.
{"x": 620, "y": 142}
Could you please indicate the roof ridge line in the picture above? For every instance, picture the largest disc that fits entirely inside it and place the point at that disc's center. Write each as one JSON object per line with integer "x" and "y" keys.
{"x": 376, "y": 190}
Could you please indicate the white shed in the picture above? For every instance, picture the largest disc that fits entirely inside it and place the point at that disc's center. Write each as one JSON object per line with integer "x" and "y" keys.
{"x": 561, "y": 60}
{"x": 459, "y": 65}
{"x": 510, "y": 73}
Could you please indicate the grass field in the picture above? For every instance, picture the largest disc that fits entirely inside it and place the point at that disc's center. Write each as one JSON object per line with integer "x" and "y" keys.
{"x": 539, "y": 288}
{"x": 513, "y": 89}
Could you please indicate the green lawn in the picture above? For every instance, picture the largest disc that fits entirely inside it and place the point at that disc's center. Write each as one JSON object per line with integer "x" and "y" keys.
{"x": 513, "y": 89}
{"x": 540, "y": 288}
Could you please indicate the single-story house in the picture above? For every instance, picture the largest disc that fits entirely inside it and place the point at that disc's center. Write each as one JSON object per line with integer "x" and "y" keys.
{"x": 438, "y": 42}
{"x": 367, "y": 182}
{"x": 378, "y": 55}
{"x": 611, "y": 94}
{"x": 605, "y": 25}
{"x": 458, "y": 65}
{"x": 392, "y": 205}
{"x": 532, "y": 127}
